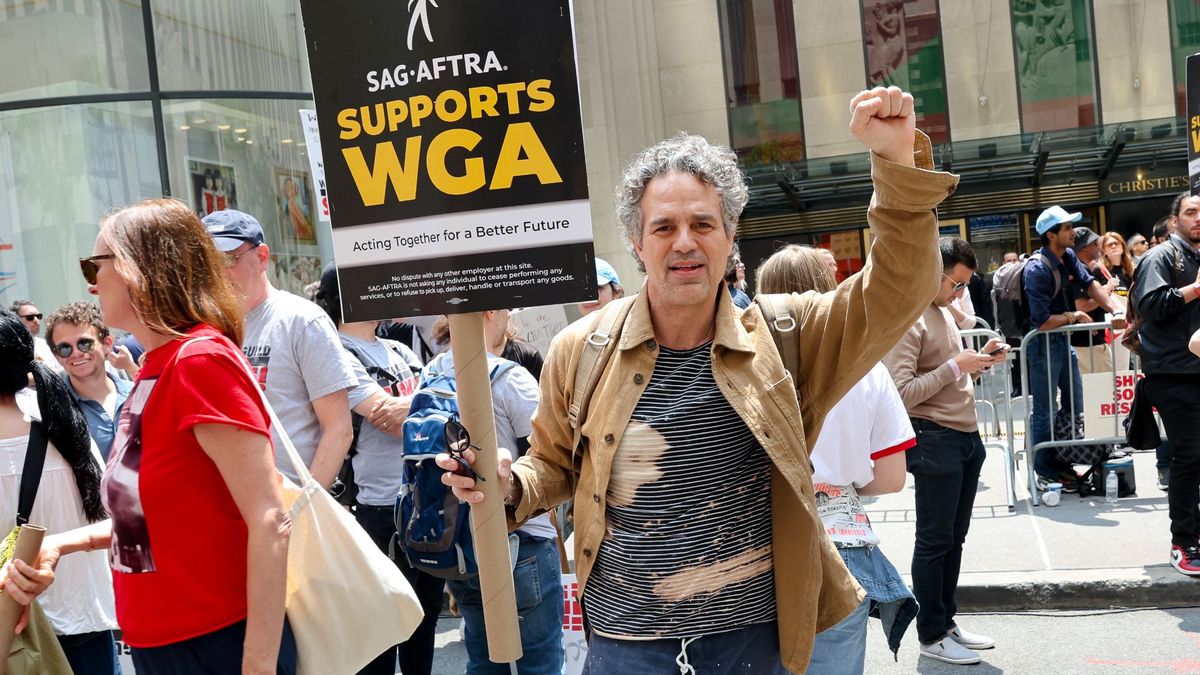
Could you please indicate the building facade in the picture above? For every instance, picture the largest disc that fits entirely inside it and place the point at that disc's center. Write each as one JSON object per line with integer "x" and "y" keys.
{"x": 1077, "y": 102}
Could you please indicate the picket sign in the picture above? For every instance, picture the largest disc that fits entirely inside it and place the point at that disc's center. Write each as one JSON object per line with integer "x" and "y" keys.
{"x": 574, "y": 644}
{"x": 539, "y": 325}
{"x": 1099, "y": 406}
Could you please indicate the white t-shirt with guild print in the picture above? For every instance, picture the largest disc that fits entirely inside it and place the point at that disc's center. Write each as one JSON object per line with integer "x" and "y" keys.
{"x": 869, "y": 423}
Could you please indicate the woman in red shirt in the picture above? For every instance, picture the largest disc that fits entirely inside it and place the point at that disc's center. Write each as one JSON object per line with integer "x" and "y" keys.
{"x": 198, "y": 536}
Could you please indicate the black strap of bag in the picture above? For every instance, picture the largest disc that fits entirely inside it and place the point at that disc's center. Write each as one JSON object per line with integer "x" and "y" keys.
{"x": 31, "y": 473}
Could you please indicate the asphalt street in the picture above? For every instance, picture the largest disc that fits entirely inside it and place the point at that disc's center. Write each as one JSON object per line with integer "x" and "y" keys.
{"x": 1143, "y": 642}
{"x": 1130, "y": 643}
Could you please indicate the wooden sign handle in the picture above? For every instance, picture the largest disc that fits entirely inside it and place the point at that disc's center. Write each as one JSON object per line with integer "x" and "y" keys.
{"x": 488, "y": 524}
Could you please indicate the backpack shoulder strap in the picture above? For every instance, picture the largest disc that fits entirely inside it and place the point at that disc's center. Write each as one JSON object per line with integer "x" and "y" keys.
{"x": 501, "y": 368}
{"x": 434, "y": 367}
{"x": 31, "y": 472}
{"x": 1053, "y": 271}
{"x": 781, "y": 321}
{"x": 598, "y": 346}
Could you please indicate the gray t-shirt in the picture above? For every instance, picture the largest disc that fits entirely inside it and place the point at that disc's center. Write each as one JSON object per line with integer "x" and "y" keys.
{"x": 294, "y": 351}
{"x": 378, "y": 463}
{"x": 515, "y": 397}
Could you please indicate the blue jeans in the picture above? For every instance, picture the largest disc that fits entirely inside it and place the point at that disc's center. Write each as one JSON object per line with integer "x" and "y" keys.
{"x": 753, "y": 650}
{"x": 1051, "y": 371}
{"x": 91, "y": 653}
{"x": 945, "y": 465}
{"x": 217, "y": 652}
{"x": 538, "y": 583}
{"x": 842, "y": 649}
{"x": 888, "y": 596}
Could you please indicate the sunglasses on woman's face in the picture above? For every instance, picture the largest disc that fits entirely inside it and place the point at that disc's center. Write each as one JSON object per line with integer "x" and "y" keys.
{"x": 65, "y": 349}
{"x": 89, "y": 267}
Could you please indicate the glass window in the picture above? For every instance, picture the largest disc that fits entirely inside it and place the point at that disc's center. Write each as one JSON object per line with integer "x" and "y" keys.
{"x": 61, "y": 169}
{"x": 992, "y": 236}
{"x": 1056, "y": 75}
{"x": 762, "y": 80}
{"x": 250, "y": 155}
{"x": 83, "y": 47}
{"x": 255, "y": 45}
{"x": 903, "y": 40}
{"x": 1185, "y": 41}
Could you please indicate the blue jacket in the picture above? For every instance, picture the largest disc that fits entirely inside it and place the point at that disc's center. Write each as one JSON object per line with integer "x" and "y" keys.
{"x": 1040, "y": 299}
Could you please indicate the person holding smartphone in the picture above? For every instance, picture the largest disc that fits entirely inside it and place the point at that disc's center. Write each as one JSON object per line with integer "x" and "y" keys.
{"x": 935, "y": 377}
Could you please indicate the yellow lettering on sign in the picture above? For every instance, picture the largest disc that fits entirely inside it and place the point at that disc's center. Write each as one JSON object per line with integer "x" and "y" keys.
{"x": 522, "y": 139}
{"x": 442, "y": 179}
{"x": 386, "y": 169}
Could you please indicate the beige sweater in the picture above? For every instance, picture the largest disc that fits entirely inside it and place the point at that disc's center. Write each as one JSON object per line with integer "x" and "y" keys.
{"x": 919, "y": 364}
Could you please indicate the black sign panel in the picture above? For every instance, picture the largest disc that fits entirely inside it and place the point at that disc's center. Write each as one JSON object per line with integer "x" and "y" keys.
{"x": 1193, "y": 113}
{"x": 452, "y": 142}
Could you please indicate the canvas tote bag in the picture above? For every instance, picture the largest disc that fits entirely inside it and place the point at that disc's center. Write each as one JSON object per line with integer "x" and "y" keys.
{"x": 346, "y": 600}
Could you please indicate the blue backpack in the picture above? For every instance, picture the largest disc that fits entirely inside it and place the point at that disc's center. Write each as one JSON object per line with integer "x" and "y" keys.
{"x": 432, "y": 526}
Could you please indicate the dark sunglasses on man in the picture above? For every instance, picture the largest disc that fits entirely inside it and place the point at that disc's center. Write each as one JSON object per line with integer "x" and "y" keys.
{"x": 32, "y": 317}
{"x": 89, "y": 267}
{"x": 958, "y": 285}
{"x": 65, "y": 349}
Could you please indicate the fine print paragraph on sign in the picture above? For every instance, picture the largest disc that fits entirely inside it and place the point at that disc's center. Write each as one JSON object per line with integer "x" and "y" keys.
{"x": 466, "y": 281}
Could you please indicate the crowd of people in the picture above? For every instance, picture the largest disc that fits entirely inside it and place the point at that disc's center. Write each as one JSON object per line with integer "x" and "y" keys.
{"x": 716, "y": 464}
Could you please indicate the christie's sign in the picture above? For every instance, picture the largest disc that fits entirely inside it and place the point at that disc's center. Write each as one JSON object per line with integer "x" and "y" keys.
{"x": 1147, "y": 185}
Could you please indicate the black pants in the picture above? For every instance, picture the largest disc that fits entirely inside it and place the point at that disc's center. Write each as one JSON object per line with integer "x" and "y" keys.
{"x": 416, "y": 655}
{"x": 945, "y": 465}
{"x": 1176, "y": 397}
{"x": 217, "y": 652}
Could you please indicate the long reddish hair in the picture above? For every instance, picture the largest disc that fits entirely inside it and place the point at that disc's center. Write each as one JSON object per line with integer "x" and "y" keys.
{"x": 176, "y": 274}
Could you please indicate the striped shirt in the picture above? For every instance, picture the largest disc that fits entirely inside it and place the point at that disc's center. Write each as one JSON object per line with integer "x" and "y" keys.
{"x": 688, "y": 545}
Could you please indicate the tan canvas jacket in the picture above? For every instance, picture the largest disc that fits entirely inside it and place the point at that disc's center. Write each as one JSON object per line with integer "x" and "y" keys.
{"x": 842, "y": 334}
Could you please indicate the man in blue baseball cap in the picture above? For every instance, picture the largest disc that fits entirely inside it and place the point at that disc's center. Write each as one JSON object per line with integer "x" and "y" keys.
{"x": 1052, "y": 277}
{"x": 230, "y": 229}
{"x": 295, "y": 353}
{"x": 608, "y": 288}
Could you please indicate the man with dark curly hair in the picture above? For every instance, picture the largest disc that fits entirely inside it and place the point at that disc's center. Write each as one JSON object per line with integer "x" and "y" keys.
{"x": 82, "y": 344}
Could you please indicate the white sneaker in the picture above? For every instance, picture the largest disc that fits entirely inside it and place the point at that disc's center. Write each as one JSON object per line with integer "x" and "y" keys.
{"x": 951, "y": 652}
{"x": 970, "y": 640}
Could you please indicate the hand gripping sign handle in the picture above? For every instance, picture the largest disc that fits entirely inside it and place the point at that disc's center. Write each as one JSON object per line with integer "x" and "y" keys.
{"x": 29, "y": 544}
{"x": 488, "y": 524}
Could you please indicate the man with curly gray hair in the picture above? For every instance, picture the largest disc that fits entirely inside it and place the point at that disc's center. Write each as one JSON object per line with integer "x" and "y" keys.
{"x": 697, "y": 539}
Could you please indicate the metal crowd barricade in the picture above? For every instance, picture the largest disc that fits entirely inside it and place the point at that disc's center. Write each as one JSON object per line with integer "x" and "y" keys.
{"x": 1120, "y": 382}
{"x": 991, "y": 393}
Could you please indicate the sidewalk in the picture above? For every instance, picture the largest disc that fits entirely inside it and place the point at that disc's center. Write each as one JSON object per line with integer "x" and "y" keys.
{"x": 1080, "y": 554}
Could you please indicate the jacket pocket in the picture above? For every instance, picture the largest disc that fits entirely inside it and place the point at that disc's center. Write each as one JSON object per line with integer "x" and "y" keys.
{"x": 785, "y": 401}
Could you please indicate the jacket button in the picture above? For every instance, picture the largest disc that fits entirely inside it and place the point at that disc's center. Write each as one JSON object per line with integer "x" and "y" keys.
{"x": 587, "y": 552}
{"x": 596, "y": 498}
{"x": 651, "y": 345}
{"x": 608, "y": 439}
{"x": 638, "y": 379}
